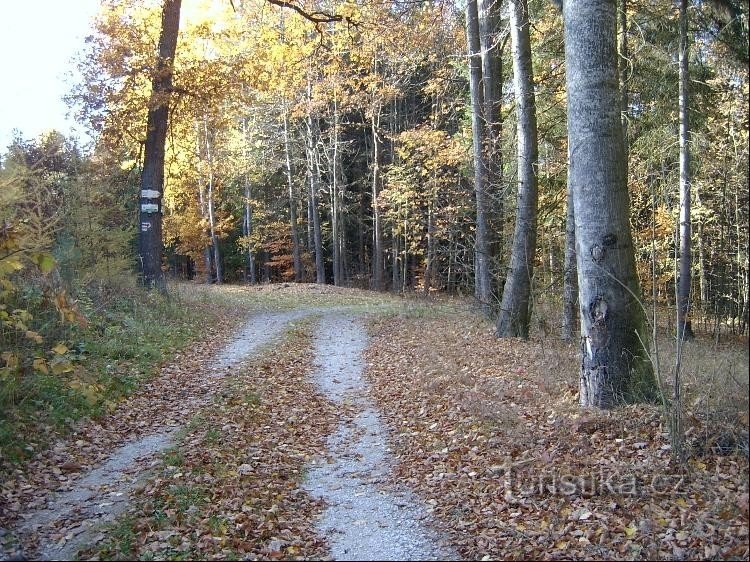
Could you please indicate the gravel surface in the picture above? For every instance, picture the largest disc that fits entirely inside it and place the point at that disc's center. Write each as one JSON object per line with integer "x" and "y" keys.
{"x": 367, "y": 518}
{"x": 73, "y": 518}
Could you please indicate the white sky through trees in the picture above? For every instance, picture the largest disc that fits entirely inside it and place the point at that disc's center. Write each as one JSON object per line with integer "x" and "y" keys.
{"x": 38, "y": 39}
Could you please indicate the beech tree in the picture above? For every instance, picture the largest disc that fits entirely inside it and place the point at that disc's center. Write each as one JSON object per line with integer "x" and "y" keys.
{"x": 380, "y": 150}
{"x": 614, "y": 342}
{"x": 513, "y": 320}
{"x": 482, "y": 286}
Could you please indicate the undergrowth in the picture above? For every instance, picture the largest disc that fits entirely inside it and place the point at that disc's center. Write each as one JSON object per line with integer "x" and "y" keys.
{"x": 80, "y": 370}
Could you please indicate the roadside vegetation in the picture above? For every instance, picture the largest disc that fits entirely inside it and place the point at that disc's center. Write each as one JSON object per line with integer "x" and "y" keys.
{"x": 71, "y": 370}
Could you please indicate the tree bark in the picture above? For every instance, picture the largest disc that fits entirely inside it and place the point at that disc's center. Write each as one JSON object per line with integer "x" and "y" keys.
{"x": 152, "y": 178}
{"x": 203, "y": 206}
{"x": 570, "y": 283}
{"x": 250, "y": 274}
{"x": 247, "y": 225}
{"x": 335, "y": 202}
{"x": 482, "y": 285}
{"x": 684, "y": 328}
{"x": 296, "y": 259}
{"x": 210, "y": 206}
{"x": 395, "y": 275}
{"x": 313, "y": 159}
{"x": 622, "y": 19}
{"x": 378, "y": 265}
{"x": 513, "y": 320}
{"x": 492, "y": 82}
{"x": 614, "y": 344}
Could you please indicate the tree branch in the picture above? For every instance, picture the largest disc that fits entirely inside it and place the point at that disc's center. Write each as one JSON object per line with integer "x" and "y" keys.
{"x": 315, "y": 17}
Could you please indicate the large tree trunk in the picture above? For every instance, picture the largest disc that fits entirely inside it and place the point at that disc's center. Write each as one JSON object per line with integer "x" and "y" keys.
{"x": 152, "y": 178}
{"x": 614, "y": 364}
{"x": 482, "y": 285}
{"x": 622, "y": 19}
{"x": 684, "y": 329}
{"x": 513, "y": 320}
{"x": 292, "y": 201}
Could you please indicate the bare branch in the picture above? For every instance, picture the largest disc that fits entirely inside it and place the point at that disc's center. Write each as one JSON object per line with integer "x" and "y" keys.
{"x": 316, "y": 17}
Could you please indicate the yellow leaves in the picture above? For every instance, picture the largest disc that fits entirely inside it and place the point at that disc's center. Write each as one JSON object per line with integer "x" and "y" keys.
{"x": 44, "y": 261}
{"x": 60, "y": 349}
{"x": 10, "y": 264}
{"x": 350, "y": 11}
{"x": 34, "y": 336}
{"x": 60, "y": 365}
{"x": 40, "y": 366}
{"x": 11, "y": 359}
{"x": 68, "y": 310}
{"x": 630, "y": 530}
{"x": 91, "y": 392}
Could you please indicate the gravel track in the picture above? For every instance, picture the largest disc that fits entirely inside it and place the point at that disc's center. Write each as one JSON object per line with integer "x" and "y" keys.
{"x": 72, "y": 519}
{"x": 367, "y": 518}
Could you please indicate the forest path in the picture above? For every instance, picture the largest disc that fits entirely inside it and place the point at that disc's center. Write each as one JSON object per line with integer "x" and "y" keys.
{"x": 62, "y": 519}
{"x": 366, "y": 518}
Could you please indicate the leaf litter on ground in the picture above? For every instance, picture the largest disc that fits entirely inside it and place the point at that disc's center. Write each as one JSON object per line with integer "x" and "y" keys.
{"x": 159, "y": 404}
{"x": 231, "y": 487}
{"x": 488, "y": 431}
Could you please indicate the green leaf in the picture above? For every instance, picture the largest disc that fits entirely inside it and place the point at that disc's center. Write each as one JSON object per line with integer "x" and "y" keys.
{"x": 44, "y": 261}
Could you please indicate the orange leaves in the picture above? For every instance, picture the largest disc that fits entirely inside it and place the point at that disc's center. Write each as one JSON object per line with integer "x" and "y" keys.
{"x": 491, "y": 437}
{"x": 251, "y": 452}
{"x": 68, "y": 310}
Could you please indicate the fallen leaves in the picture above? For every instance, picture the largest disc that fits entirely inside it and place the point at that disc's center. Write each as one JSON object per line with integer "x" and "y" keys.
{"x": 489, "y": 433}
{"x": 169, "y": 398}
{"x": 231, "y": 489}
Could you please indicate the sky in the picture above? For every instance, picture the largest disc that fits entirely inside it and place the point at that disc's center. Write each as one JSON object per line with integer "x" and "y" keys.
{"x": 38, "y": 39}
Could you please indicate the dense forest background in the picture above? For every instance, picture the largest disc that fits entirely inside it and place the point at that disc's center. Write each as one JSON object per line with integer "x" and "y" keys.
{"x": 522, "y": 223}
{"x": 335, "y": 146}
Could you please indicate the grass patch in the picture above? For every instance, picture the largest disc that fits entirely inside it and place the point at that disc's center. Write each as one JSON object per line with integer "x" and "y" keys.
{"x": 128, "y": 333}
{"x": 121, "y": 539}
{"x": 173, "y": 457}
{"x": 187, "y": 497}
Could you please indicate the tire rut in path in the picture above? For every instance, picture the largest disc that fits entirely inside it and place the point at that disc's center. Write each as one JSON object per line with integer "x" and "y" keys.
{"x": 366, "y": 517}
{"x": 72, "y": 518}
